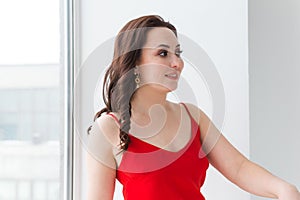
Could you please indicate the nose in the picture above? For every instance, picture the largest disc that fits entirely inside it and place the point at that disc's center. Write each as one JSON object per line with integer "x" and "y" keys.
{"x": 176, "y": 62}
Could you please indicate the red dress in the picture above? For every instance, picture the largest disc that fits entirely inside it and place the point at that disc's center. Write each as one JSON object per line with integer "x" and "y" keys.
{"x": 148, "y": 172}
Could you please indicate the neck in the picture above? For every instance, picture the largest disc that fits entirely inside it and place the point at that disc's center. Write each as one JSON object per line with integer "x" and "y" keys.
{"x": 145, "y": 98}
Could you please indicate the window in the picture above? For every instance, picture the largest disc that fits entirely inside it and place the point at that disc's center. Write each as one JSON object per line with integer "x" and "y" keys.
{"x": 34, "y": 101}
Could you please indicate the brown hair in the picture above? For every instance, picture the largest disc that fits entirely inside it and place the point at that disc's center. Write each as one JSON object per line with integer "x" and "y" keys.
{"x": 119, "y": 84}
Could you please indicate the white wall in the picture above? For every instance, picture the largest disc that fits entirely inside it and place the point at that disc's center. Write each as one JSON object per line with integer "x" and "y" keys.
{"x": 274, "y": 41}
{"x": 219, "y": 27}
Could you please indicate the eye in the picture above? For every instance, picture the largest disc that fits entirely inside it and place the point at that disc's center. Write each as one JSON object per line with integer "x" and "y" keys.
{"x": 178, "y": 53}
{"x": 163, "y": 53}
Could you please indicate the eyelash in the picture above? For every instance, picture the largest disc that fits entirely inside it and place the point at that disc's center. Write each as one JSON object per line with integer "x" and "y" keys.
{"x": 178, "y": 53}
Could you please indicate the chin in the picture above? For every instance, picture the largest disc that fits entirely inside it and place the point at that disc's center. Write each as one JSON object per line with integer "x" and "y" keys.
{"x": 166, "y": 88}
{"x": 169, "y": 88}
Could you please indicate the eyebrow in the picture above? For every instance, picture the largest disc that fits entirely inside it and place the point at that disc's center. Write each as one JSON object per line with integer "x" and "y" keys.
{"x": 167, "y": 46}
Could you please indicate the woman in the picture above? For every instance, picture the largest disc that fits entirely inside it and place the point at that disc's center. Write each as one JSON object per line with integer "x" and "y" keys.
{"x": 155, "y": 147}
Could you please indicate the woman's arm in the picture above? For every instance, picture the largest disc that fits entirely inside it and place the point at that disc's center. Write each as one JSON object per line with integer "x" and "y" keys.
{"x": 236, "y": 167}
{"x": 101, "y": 180}
{"x": 248, "y": 175}
{"x": 101, "y": 165}
{"x": 259, "y": 181}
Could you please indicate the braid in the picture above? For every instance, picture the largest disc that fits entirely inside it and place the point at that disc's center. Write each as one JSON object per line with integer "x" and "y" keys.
{"x": 121, "y": 103}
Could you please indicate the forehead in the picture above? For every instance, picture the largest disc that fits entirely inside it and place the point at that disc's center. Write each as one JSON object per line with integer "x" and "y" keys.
{"x": 160, "y": 35}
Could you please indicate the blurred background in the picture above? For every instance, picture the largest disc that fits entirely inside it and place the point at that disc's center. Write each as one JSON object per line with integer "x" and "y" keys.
{"x": 31, "y": 99}
{"x": 274, "y": 86}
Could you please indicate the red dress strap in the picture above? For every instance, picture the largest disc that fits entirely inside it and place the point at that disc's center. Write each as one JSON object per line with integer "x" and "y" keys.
{"x": 114, "y": 117}
{"x": 186, "y": 108}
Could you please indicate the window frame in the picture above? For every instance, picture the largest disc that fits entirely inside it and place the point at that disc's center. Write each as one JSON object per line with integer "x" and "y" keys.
{"x": 68, "y": 27}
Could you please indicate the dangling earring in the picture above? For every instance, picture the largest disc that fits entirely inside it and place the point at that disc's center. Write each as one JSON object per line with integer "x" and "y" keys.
{"x": 137, "y": 77}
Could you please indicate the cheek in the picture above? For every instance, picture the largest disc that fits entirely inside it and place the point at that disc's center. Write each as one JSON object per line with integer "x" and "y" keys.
{"x": 147, "y": 56}
{"x": 150, "y": 72}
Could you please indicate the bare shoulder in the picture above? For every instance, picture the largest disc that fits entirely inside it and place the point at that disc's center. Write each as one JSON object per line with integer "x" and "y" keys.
{"x": 195, "y": 111}
{"x": 102, "y": 141}
{"x": 107, "y": 127}
{"x": 199, "y": 115}
{"x": 202, "y": 119}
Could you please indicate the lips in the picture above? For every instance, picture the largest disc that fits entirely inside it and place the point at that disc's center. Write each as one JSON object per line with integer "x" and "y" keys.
{"x": 173, "y": 76}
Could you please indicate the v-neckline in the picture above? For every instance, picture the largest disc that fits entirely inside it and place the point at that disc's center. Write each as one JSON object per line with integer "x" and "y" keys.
{"x": 191, "y": 139}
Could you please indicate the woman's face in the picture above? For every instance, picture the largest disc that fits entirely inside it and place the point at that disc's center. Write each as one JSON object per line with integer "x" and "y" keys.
{"x": 160, "y": 64}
